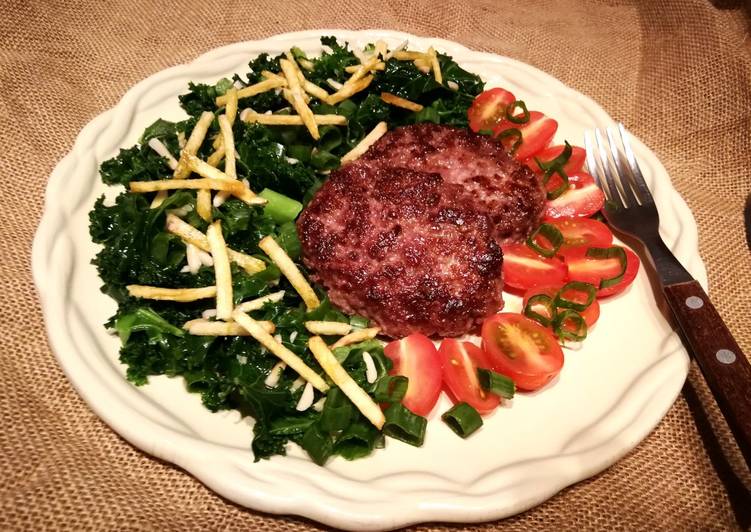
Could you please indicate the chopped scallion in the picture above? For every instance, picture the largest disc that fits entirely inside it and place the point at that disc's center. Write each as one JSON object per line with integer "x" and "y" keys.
{"x": 552, "y": 234}
{"x": 589, "y": 290}
{"x": 569, "y": 325}
{"x": 390, "y": 388}
{"x": 404, "y": 425}
{"x": 512, "y": 132}
{"x": 517, "y": 119}
{"x": 614, "y": 252}
{"x": 280, "y": 208}
{"x": 359, "y": 321}
{"x": 496, "y": 383}
{"x": 462, "y": 419}
{"x": 536, "y": 301}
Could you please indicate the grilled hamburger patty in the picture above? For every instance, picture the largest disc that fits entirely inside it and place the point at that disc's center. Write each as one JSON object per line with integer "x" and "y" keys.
{"x": 394, "y": 245}
{"x": 509, "y": 192}
{"x": 409, "y": 235}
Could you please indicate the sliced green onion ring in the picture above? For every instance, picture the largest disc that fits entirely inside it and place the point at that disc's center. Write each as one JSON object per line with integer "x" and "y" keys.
{"x": 404, "y": 425}
{"x": 562, "y": 302}
{"x": 555, "y": 166}
{"x": 512, "y": 132}
{"x": 496, "y": 383}
{"x": 558, "y": 163}
{"x": 563, "y": 187}
{"x": 523, "y": 119}
{"x": 614, "y": 252}
{"x": 544, "y": 300}
{"x": 554, "y": 236}
{"x": 462, "y": 419}
{"x": 390, "y": 389}
{"x": 579, "y": 330}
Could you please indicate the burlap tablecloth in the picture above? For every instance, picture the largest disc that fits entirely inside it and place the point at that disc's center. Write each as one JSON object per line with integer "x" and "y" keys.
{"x": 676, "y": 72}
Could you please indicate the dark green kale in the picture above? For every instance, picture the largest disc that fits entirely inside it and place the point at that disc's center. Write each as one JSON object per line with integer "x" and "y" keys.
{"x": 201, "y": 98}
{"x": 332, "y": 64}
{"x": 263, "y": 161}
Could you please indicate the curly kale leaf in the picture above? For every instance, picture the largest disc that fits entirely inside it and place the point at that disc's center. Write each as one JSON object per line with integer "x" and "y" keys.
{"x": 332, "y": 64}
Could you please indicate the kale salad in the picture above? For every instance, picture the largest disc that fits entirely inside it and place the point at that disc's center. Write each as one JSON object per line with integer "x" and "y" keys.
{"x": 291, "y": 119}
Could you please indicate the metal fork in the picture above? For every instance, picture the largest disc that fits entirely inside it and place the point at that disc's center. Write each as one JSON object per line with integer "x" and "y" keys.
{"x": 630, "y": 209}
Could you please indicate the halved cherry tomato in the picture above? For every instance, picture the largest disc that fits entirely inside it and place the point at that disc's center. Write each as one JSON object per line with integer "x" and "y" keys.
{"x": 536, "y": 134}
{"x": 590, "y": 314}
{"x": 523, "y": 268}
{"x": 460, "y": 362}
{"x": 573, "y": 165}
{"x": 583, "y": 198}
{"x": 591, "y": 270}
{"x": 416, "y": 358}
{"x": 583, "y": 232}
{"x": 489, "y": 109}
{"x": 522, "y": 349}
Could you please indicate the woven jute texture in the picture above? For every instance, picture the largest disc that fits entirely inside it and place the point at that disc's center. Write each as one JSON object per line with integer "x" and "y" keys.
{"x": 677, "y": 72}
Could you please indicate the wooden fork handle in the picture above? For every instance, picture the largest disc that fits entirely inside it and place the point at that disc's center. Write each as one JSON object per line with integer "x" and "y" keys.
{"x": 720, "y": 359}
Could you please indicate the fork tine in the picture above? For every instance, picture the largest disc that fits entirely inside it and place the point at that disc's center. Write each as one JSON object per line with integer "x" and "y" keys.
{"x": 615, "y": 193}
{"x": 645, "y": 196}
{"x": 592, "y": 163}
{"x": 622, "y": 172}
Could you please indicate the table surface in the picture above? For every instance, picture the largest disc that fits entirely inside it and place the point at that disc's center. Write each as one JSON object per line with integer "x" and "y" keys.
{"x": 676, "y": 72}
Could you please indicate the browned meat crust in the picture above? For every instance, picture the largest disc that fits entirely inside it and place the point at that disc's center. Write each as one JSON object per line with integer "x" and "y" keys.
{"x": 409, "y": 234}
{"x": 394, "y": 245}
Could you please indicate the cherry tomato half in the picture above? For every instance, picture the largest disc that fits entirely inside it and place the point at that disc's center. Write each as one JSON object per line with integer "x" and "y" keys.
{"x": 524, "y": 268}
{"x": 591, "y": 270}
{"x": 460, "y": 362}
{"x": 583, "y": 232}
{"x": 522, "y": 349}
{"x": 536, "y": 134}
{"x": 416, "y": 358}
{"x": 582, "y": 199}
{"x": 489, "y": 109}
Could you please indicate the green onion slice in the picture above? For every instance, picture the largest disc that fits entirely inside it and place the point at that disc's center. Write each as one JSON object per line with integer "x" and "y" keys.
{"x": 279, "y": 207}
{"x": 496, "y": 383}
{"x": 404, "y": 425}
{"x": 563, "y": 187}
{"x": 614, "y": 252}
{"x": 536, "y": 301}
{"x": 359, "y": 321}
{"x": 390, "y": 389}
{"x": 558, "y": 163}
{"x": 462, "y": 419}
{"x": 512, "y": 132}
{"x": 553, "y": 236}
{"x": 569, "y": 325}
{"x": 561, "y": 301}
{"x": 523, "y": 119}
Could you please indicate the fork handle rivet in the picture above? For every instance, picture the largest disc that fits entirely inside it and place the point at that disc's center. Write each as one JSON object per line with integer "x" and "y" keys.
{"x": 694, "y": 302}
{"x": 726, "y": 356}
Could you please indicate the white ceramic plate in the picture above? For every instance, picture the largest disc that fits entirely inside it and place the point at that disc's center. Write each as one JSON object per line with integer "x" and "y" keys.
{"x": 608, "y": 397}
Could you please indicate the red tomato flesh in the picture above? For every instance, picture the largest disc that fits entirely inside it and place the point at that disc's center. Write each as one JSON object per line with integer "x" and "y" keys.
{"x": 524, "y": 268}
{"x": 574, "y": 164}
{"x": 489, "y": 109}
{"x": 590, "y": 314}
{"x": 583, "y": 232}
{"x": 522, "y": 349}
{"x": 590, "y": 270}
{"x": 460, "y": 362}
{"x": 582, "y": 199}
{"x": 416, "y": 358}
{"x": 536, "y": 134}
